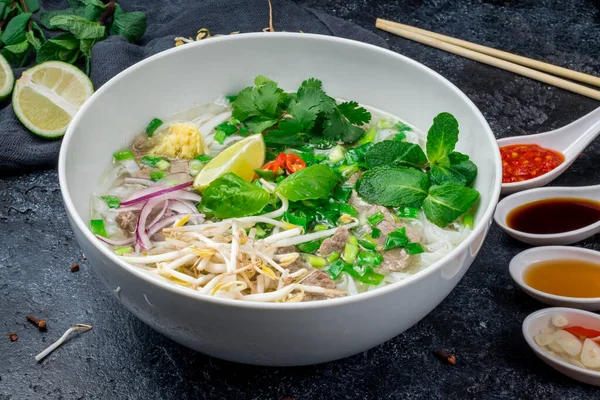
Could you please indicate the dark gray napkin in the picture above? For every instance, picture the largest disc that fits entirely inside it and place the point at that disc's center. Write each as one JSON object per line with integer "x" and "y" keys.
{"x": 21, "y": 151}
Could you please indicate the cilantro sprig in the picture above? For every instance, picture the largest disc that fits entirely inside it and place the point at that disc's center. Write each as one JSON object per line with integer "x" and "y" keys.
{"x": 295, "y": 118}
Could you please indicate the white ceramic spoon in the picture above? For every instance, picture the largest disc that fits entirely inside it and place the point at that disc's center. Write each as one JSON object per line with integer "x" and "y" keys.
{"x": 511, "y": 202}
{"x": 534, "y": 323}
{"x": 570, "y": 140}
{"x": 522, "y": 261}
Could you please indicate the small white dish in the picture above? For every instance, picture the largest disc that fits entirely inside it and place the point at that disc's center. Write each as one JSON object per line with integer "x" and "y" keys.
{"x": 519, "y": 264}
{"x": 542, "y": 318}
{"x": 511, "y": 202}
{"x": 569, "y": 140}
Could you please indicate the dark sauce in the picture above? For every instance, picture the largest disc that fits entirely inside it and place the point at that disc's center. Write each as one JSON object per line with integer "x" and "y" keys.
{"x": 556, "y": 215}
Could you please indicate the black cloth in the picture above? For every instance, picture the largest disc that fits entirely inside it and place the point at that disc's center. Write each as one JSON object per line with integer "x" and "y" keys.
{"x": 20, "y": 150}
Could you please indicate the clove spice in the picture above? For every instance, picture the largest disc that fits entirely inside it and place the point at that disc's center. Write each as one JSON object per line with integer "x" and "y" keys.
{"x": 13, "y": 337}
{"x": 449, "y": 358}
{"x": 40, "y": 323}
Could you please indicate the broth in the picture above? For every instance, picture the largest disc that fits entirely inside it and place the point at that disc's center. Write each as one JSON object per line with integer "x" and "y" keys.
{"x": 555, "y": 215}
{"x": 570, "y": 278}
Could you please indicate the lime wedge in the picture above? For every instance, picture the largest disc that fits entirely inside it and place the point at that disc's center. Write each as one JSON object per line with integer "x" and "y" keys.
{"x": 241, "y": 158}
{"x": 7, "y": 79}
{"x": 47, "y": 97}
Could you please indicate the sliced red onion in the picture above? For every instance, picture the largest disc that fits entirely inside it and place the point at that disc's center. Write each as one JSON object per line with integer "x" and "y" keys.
{"x": 199, "y": 218}
{"x": 174, "y": 179}
{"x": 158, "y": 193}
{"x": 181, "y": 207}
{"x": 135, "y": 207}
{"x": 160, "y": 213}
{"x": 123, "y": 242}
{"x": 140, "y": 231}
{"x": 141, "y": 181}
{"x": 145, "y": 191}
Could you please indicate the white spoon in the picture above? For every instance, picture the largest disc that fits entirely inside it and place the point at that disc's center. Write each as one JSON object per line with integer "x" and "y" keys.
{"x": 569, "y": 140}
{"x": 522, "y": 261}
{"x": 511, "y": 202}
{"x": 535, "y": 322}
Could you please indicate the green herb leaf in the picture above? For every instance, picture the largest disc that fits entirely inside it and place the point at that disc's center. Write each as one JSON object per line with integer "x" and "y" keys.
{"x": 112, "y": 201}
{"x": 289, "y": 133}
{"x": 392, "y": 152}
{"x": 130, "y": 25}
{"x": 157, "y": 175}
{"x": 263, "y": 100}
{"x": 396, "y": 239}
{"x": 15, "y": 29}
{"x": 462, "y": 164}
{"x": 265, "y": 174}
{"x": 441, "y": 175}
{"x": 80, "y": 27}
{"x": 442, "y": 138}
{"x": 309, "y": 101}
{"x": 393, "y": 186}
{"x": 354, "y": 113}
{"x": 17, "y": 54}
{"x": 338, "y": 127}
{"x": 63, "y": 47}
{"x": 314, "y": 182}
{"x": 45, "y": 17}
{"x": 32, "y": 5}
{"x": 461, "y": 171}
{"x": 230, "y": 196}
{"x": 446, "y": 203}
{"x": 224, "y": 130}
{"x": 33, "y": 41}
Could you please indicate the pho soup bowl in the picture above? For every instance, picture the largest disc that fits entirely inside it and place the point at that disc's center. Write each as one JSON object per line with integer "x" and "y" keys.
{"x": 275, "y": 334}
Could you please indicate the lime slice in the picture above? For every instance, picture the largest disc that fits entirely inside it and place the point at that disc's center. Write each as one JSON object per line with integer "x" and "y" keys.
{"x": 241, "y": 158}
{"x": 7, "y": 79}
{"x": 47, "y": 97}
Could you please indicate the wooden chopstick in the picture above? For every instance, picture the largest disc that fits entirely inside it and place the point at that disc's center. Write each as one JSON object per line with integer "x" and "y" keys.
{"x": 441, "y": 44}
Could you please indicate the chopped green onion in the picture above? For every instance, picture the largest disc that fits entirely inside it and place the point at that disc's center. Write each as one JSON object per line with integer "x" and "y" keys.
{"x": 157, "y": 175}
{"x": 352, "y": 240}
{"x": 309, "y": 247}
{"x": 196, "y": 166}
{"x": 364, "y": 274}
{"x": 153, "y": 161}
{"x": 152, "y": 126}
{"x": 369, "y": 258}
{"x": 317, "y": 262}
{"x": 260, "y": 232}
{"x": 163, "y": 165}
{"x": 384, "y": 124}
{"x": 402, "y": 127}
{"x": 367, "y": 242}
{"x": 350, "y": 253}
{"x": 375, "y": 232}
{"x": 224, "y": 130}
{"x": 409, "y": 212}
{"x": 399, "y": 137}
{"x": 123, "y": 250}
{"x": 294, "y": 219}
{"x": 123, "y": 155}
{"x": 348, "y": 209}
{"x": 369, "y": 136}
{"x": 320, "y": 227}
{"x": 336, "y": 154}
{"x": 279, "y": 178}
{"x": 333, "y": 257}
{"x": 203, "y": 158}
{"x": 468, "y": 220}
{"x": 337, "y": 268}
{"x": 414, "y": 248}
{"x": 375, "y": 218}
{"x": 97, "y": 227}
{"x": 265, "y": 174}
{"x": 396, "y": 239}
{"x": 112, "y": 201}
{"x": 342, "y": 193}
{"x": 357, "y": 154}
{"x": 348, "y": 170}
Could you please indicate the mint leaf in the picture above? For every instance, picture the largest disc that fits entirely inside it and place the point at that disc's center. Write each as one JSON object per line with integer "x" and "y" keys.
{"x": 32, "y": 40}
{"x": 441, "y": 175}
{"x": 461, "y": 163}
{"x": 63, "y": 47}
{"x": 15, "y": 29}
{"x": 131, "y": 25}
{"x": 446, "y": 203}
{"x": 461, "y": 171}
{"x": 80, "y": 27}
{"x": 393, "y": 186}
{"x": 16, "y": 54}
{"x": 442, "y": 138}
{"x": 32, "y": 5}
{"x": 354, "y": 113}
{"x": 393, "y": 152}
{"x": 45, "y": 17}
{"x": 314, "y": 182}
{"x": 230, "y": 196}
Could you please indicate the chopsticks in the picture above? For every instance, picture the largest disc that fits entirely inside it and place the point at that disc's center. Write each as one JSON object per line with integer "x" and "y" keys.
{"x": 497, "y": 58}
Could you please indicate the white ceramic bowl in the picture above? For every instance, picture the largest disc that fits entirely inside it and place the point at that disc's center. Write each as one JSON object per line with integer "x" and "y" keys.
{"x": 520, "y": 263}
{"x": 271, "y": 334}
{"x": 542, "y": 318}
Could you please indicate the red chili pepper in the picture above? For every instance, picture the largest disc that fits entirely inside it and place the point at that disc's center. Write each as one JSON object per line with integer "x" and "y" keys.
{"x": 281, "y": 159}
{"x": 582, "y": 332}
{"x": 294, "y": 163}
{"x": 272, "y": 166}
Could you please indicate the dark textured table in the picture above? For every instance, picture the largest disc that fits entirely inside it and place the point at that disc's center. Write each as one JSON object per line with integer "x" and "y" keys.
{"x": 480, "y": 321}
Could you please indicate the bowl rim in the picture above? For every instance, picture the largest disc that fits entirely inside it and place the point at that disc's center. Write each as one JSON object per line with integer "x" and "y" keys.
{"x": 518, "y": 277}
{"x": 541, "y": 353}
{"x": 479, "y": 228}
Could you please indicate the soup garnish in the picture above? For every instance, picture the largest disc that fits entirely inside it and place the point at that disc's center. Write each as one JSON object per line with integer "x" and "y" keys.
{"x": 568, "y": 214}
{"x": 521, "y": 162}
{"x": 280, "y": 196}
{"x": 564, "y": 277}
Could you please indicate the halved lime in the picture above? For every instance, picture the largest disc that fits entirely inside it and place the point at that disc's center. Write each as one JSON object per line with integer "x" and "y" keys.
{"x": 7, "y": 79}
{"x": 241, "y": 158}
{"x": 47, "y": 97}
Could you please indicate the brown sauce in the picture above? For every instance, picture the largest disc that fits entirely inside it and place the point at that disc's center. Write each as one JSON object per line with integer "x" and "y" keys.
{"x": 555, "y": 215}
{"x": 570, "y": 278}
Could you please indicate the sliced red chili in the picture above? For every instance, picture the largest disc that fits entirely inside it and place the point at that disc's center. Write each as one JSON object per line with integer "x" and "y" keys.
{"x": 281, "y": 159}
{"x": 294, "y": 163}
{"x": 272, "y": 166}
{"x": 582, "y": 332}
